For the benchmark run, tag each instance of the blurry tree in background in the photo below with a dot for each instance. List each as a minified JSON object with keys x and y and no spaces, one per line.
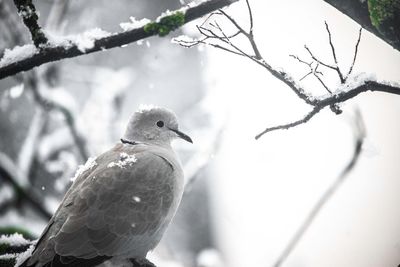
{"x":55,"y":116}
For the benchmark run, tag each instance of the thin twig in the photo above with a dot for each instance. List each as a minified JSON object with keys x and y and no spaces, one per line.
{"x":306,"y":118}
{"x":355,"y":54}
{"x":250,"y":17}
{"x":342,"y":80}
{"x":313,"y":71}
{"x":319,"y":61}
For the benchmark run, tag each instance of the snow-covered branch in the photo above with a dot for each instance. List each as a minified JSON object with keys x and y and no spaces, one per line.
{"x":350,"y":85}
{"x":27,"y":57}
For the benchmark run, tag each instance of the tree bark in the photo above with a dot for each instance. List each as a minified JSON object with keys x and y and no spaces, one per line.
{"x":381,"y":18}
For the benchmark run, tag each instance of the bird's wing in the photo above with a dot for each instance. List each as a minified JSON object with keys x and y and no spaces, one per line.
{"x":120,"y":205}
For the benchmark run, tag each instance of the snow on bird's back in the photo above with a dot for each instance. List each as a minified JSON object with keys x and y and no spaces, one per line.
{"x":124,"y":160}
{"x":90,"y":163}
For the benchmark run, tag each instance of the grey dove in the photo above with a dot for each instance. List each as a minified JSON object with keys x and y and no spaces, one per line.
{"x":120,"y":203}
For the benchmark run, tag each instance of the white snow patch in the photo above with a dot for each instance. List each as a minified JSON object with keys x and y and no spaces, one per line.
{"x":136,"y":198}
{"x":134,"y":24}
{"x":83,"y":41}
{"x":183,"y":39}
{"x":209,"y":258}
{"x":16,"y":91}
{"x":90,"y":163}
{"x":357,"y":79}
{"x":125,"y":160}
{"x":14,"y":240}
{"x":390,"y":83}
{"x":17,"y":53}
{"x":86,"y":40}
{"x":55,"y":40}
{"x":24,"y":255}
{"x":145,"y":108}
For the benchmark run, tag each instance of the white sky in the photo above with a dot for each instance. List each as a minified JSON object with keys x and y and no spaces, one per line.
{"x":263,"y":189}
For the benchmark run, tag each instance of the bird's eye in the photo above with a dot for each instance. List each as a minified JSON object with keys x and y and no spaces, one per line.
{"x":160,"y":124}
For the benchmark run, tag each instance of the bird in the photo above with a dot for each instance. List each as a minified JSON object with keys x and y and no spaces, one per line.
{"x":120,"y":204}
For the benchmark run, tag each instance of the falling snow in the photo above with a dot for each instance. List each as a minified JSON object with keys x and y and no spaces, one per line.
{"x":136,"y":198}
{"x":16,"y":91}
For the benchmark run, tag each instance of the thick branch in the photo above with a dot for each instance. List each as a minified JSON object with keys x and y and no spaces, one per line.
{"x":27,"y":10}
{"x":54,"y":53}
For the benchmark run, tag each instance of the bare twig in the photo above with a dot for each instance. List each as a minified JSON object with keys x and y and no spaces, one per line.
{"x":355,"y":54}
{"x":342,"y":79}
{"x":53,"y":53}
{"x":360,"y":135}
{"x":313,"y":71}
{"x":306,"y":118}
{"x":27,"y":10}
{"x":319,"y":61}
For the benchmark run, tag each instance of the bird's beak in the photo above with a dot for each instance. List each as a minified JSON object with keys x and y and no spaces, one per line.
{"x":182,"y":135}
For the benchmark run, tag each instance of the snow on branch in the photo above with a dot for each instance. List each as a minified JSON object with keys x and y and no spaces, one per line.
{"x":53,"y":50}
{"x":350,"y":85}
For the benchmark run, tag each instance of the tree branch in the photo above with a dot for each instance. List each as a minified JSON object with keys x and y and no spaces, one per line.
{"x":355,"y":53}
{"x":306,"y":118}
{"x":26,"y":10}
{"x":47,"y":104}
{"x":327,"y":195}
{"x":10,"y":173}
{"x":49,"y":53}
{"x":333,"y":100}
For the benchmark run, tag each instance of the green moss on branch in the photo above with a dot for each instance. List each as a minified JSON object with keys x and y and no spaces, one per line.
{"x":166,"y":24}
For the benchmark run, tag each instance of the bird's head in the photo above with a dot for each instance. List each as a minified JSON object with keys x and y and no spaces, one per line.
{"x":154,"y":125}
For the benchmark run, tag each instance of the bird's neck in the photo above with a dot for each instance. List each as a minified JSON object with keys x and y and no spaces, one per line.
{"x":135,"y":140}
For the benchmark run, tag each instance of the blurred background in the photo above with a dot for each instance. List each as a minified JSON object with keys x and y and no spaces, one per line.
{"x":244,"y":198}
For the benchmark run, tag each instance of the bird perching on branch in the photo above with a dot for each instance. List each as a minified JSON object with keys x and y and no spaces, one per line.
{"x":120,"y":203}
